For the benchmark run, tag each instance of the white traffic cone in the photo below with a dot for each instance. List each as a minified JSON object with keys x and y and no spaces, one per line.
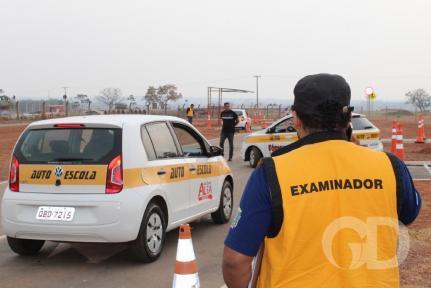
{"x":186,"y":269}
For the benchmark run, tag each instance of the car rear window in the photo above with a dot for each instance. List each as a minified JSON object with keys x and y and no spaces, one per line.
{"x":77,"y":145}
{"x":361,"y":123}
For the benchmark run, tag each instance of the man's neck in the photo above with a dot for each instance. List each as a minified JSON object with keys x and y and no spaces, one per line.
{"x":305,"y":133}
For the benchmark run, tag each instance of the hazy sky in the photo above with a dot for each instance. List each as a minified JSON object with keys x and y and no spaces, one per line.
{"x":130,"y":44}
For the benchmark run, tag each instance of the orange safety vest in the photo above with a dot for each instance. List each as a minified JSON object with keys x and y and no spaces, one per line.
{"x":335,"y":219}
{"x":189,"y":112}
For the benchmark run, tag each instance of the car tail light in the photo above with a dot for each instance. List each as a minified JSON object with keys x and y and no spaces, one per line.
{"x":14,"y":175}
{"x":114,"y":179}
{"x":69,"y":125}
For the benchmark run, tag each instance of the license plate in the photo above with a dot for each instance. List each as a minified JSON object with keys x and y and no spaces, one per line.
{"x":55,"y":213}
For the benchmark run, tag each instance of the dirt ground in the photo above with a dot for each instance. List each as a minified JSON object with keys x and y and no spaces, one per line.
{"x":410,"y":124}
{"x":414,"y":151}
{"x":415,"y":270}
{"x":8,"y":136}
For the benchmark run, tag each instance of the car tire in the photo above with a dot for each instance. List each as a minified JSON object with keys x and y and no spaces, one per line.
{"x":255,"y":156}
{"x":224,"y":211}
{"x":25,"y":247}
{"x":151,"y":238}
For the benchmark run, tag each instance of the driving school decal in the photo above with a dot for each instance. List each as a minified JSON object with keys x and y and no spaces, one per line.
{"x":204,"y":170}
{"x":205,"y":191}
{"x":177,"y":172}
{"x":273,"y":148}
{"x":68,"y":174}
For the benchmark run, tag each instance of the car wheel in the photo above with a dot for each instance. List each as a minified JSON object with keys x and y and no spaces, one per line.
{"x":255,"y":156}
{"x":25,"y":247}
{"x":224,"y":212}
{"x":151,"y":238}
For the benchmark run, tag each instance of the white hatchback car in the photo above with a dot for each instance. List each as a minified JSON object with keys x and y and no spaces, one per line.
{"x":112,"y":178}
{"x":243,"y":119}
{"x":281,"y":133}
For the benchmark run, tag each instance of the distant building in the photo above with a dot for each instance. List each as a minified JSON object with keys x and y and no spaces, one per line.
{"x":55,"y":109}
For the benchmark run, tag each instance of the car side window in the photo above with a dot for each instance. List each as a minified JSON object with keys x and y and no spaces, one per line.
{"x":148,"y":144}
{"x":190,"y":143}
{"x":163,"y":142}
{"x":285,"y":127}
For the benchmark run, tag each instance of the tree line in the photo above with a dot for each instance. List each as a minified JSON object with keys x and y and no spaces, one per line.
{"x":161,"y":95}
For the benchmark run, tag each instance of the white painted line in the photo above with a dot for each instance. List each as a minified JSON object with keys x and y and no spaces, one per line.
{"x":425,"y":179}
{"x":3,"y":182}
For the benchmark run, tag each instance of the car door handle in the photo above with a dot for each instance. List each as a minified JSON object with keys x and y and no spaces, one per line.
{"x":192,"y":169}
{"x":161,"y":172}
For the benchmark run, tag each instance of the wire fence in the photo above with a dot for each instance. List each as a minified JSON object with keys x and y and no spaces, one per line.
{"x":30,"y":110}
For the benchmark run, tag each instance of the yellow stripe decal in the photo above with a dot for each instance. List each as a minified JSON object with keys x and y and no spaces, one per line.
{"x":366,"y":136}
{"x":96,"y":174}
{"x":136,"y":177}
{"x":41,"y":174}
{"x":271,"y":138}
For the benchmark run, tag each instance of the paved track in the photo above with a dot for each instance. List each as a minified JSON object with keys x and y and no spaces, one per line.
{"x":108,"y":265}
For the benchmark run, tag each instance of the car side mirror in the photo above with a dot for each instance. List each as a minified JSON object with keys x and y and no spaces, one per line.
{"x":270,"y":130}
{"x":291,"y":129}
{"x":215,"y":151}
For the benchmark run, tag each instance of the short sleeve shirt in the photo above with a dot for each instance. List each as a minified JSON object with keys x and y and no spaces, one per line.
{"x":228,"y":118}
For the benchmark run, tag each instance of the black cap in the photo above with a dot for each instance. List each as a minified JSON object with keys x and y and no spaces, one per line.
{"x":322,"y":94}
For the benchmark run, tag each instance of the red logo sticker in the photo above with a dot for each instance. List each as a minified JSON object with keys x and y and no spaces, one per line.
{"x":205,"y":191}
{"x":273,"y":148}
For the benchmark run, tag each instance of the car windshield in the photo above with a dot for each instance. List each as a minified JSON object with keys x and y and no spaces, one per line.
{"x":238,"y":112}
{"x":86,"y":145}
{"x":361,"y":123}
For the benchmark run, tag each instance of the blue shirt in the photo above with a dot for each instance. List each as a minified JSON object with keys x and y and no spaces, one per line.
{"x":252,"y":222}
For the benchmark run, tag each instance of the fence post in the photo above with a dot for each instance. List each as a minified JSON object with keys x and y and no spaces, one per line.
{"x":17,"y":110}
{"x":43,"y":110}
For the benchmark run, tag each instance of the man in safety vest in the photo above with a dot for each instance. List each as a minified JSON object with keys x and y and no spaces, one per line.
{"x":323,"y":210}
{"x":190,"y":113}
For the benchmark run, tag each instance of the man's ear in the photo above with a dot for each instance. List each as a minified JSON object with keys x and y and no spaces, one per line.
{"x":297,"y":123}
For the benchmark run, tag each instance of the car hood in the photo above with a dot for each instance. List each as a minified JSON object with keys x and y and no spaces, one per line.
{"x":257,"y":133}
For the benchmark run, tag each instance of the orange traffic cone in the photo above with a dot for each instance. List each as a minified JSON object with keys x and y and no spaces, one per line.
{"x":209,"y":121}
{"x":394,"y":136}
{"x":399,"y":149}
{"x":254,"y":117}
{"x":264,"y":122}
{"x":421,"y":130}
{"x":186,"y":269}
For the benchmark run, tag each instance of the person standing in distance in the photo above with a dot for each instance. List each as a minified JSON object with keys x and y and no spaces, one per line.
{"x":324,"y":209}
{"x":230,"y":119}
{"x":190,"y":113}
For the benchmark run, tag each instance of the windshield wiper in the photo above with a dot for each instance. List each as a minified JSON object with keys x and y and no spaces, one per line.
{"x":367,"y":127}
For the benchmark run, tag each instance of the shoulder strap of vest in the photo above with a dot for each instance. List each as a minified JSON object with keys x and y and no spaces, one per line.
{"x":398,"y":178}
{"x":275,"y":195}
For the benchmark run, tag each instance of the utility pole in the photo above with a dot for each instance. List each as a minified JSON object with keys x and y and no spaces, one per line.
{"x":65,"y":100}
{"x":257,"y":90}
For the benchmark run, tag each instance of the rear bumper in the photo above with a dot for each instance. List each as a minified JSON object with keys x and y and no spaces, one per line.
{"x":98,"y":217}
{"x":241,"y":125}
